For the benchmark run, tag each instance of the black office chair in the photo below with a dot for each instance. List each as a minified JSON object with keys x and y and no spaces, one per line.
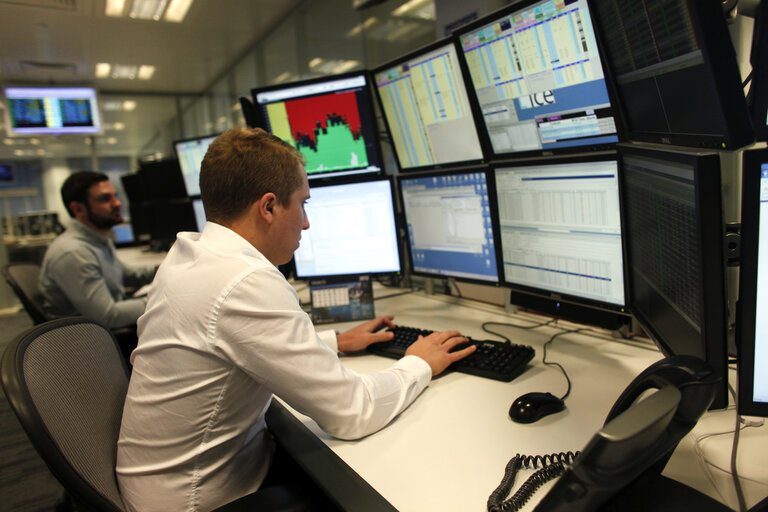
{"x":66,"y":382}
{"x":22,"y":278}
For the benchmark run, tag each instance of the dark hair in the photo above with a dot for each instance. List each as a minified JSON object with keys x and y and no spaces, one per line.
{"x":76,"y":187}
{"x":243,"y":164}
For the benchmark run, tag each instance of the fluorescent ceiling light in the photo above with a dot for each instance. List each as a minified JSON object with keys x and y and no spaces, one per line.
{"x":111,"y":140}
{"x":417,"y":8}
{"x":118,"y":126}
{"x":362,"y":26}
{"x":147,"y":9}
{"x":103,"y":69}
{"x":345,"y":66}
{"x":115,"y":7}
{"x":125,"y":72}
{"x":129,"y":105}
{"x":146,"y":72}
{"x":282,"y":77}
{"x":34,"y":141}
{"x":177,"y":10}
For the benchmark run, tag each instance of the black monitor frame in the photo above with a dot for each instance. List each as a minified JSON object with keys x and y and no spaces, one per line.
{"x":670,"y":328}
{"x":494,"y":223}
{"x":556,"y":303}
{"x":176,"y":144}
{"x":566,"y":149}
{"x":758,"y":91}
{"x":471,"y":105}
{"x":746,"y":317}
{"x":369,"y":124}
{"x":162,"y":179}
{"x":718,"y":71}
{"x":355,"y":179}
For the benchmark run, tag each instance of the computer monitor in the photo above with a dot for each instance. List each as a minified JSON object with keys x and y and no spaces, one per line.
{"x":758,"y":91}
{"x":426,"y":109}
{"x":561,"y":237}
{"x":674,"y":235}
{"x":675,"y":71}
{"x":200,"y":219}
{"x":448,"y":224}
{"x":190,"y":153}
{"x":330,"y":120}
{"x":535,"y":71}
{"x":352,"y":230}
{"x":162,"y":179}
{"x":752,"y":317}
{"x":170,"y":217}
{"x":52,"y":110}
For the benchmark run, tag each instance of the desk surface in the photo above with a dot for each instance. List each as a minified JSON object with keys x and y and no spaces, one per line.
{"x":448,"y":450}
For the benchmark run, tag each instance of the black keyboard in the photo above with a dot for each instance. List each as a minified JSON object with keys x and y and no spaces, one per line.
{"x":493,"y":359}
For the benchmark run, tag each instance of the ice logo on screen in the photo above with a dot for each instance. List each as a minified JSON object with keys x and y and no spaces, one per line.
{"x":537,"y":99}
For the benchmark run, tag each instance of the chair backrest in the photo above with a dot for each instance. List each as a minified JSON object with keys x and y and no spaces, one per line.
{"x":22,"y":278}
{"x":66,"y":381}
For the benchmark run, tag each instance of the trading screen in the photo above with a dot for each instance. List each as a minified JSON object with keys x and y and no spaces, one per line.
{"x":760,"y":390}
{"x":330,"y":123}
{"x":426,"y":107}
{"x":450,"y":232}
{"x":560,"y":229}
{"x":539,"y":80}
{"x":190,"y":154}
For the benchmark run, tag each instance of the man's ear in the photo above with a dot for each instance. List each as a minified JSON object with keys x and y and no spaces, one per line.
{"x":77,"y":208}
{"x":267,"y":205}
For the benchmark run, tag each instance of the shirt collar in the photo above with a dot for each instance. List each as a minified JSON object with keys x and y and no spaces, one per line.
{"x":89,"y":234}
{"x":231,"y":241}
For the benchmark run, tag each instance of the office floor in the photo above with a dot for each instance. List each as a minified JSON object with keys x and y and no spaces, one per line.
{"x":25,"y":482}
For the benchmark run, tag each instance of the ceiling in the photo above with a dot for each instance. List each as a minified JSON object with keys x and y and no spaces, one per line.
{"x":60,"y":42}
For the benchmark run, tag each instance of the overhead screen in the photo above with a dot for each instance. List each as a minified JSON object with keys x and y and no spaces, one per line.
{"x":674,"y":233}
{"x":675,"y":68}
{"x":560,"y":229}
{"x":537,"y":76}
{"x":449,"y":225}
{"x":426,"y":109}
{"x":329,"y":120}
{"x":190,"y":153}
{"x":752,"y":320}
{"x":52,"y":110}
{"x":352,"y":230}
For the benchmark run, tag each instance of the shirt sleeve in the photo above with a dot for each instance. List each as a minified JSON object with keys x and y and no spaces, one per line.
{"x":269,"y":337}
{"x":80,"y":278}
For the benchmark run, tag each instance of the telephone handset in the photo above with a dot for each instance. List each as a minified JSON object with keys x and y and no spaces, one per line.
{"x":636,"y":438}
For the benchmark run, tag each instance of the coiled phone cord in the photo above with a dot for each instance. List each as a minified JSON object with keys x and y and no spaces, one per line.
{"x":552,"y":466}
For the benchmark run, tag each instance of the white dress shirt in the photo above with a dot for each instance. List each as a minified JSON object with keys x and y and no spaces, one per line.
{"x":223,"y":331}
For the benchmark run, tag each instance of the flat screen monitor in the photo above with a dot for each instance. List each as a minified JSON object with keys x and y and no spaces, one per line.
{"x":190,"y":153}
{"x":161,"y":179}
{"x":52,"y":110}
{"x":352,"y":230}
{"x":449,"y":226}
{"x":674,"y":240}
{"x":170,"y":217}
{"x":561,"y":237}
{"x":426,"y":109}
{"x":536,"y":73}
{"x":330,"y":120}
{"x":758,"y":92}
{"x":200,"y":218}
{"x":752,"y":317}
{"x":676,"y":72}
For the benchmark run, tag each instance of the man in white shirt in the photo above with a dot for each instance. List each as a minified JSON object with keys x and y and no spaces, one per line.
{"x":223,"y":331}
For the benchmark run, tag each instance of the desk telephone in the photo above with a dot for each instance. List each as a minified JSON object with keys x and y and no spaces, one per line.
{"x":631,"y":449}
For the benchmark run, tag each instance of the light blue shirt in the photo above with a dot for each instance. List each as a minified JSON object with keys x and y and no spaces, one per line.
{"x":81,"y":275}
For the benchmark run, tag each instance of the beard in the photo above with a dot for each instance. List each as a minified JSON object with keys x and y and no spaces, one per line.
{"x":103,"y":221}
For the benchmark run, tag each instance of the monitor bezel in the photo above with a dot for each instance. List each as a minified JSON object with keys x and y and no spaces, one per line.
{"x":368,"y":100}
{"x":707,"y":185}
{"x":354,"y":179}
{"x":758,"y":92}
{"x":472,"y":94}
{"x":176,"y":152}
{"x":96,"y":128}
{"x":722,"y":67}
{"x":494,"y":223}
{"x":561,"y":304}
{"x":746,"y":310}
{"x":484,"y":150}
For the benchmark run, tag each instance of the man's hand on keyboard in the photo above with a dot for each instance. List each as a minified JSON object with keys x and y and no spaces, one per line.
{"x":364,"y":334}
{"x":436,"y":348}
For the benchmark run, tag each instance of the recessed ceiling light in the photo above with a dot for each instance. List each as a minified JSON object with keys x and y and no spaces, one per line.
{"x":111,"y":140}
{"x":8,"y":142}
{"x":146,"y":72}
{"x":103,"y":69}
{"x":34,"y":141}
{"x":362,"y":26}
{"x":147,"y":9}
{"x":118,"y":126}
{"x":115,"y":7}
{"x":129,"y":105}
{"x":177,"y":10}
{"x":119,"y":71}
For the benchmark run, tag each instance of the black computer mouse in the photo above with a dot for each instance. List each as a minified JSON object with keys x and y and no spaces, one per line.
{"x":532,"y":407}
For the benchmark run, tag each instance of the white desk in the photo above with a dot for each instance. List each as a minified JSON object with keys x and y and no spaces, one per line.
{"x":448,"y":450}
